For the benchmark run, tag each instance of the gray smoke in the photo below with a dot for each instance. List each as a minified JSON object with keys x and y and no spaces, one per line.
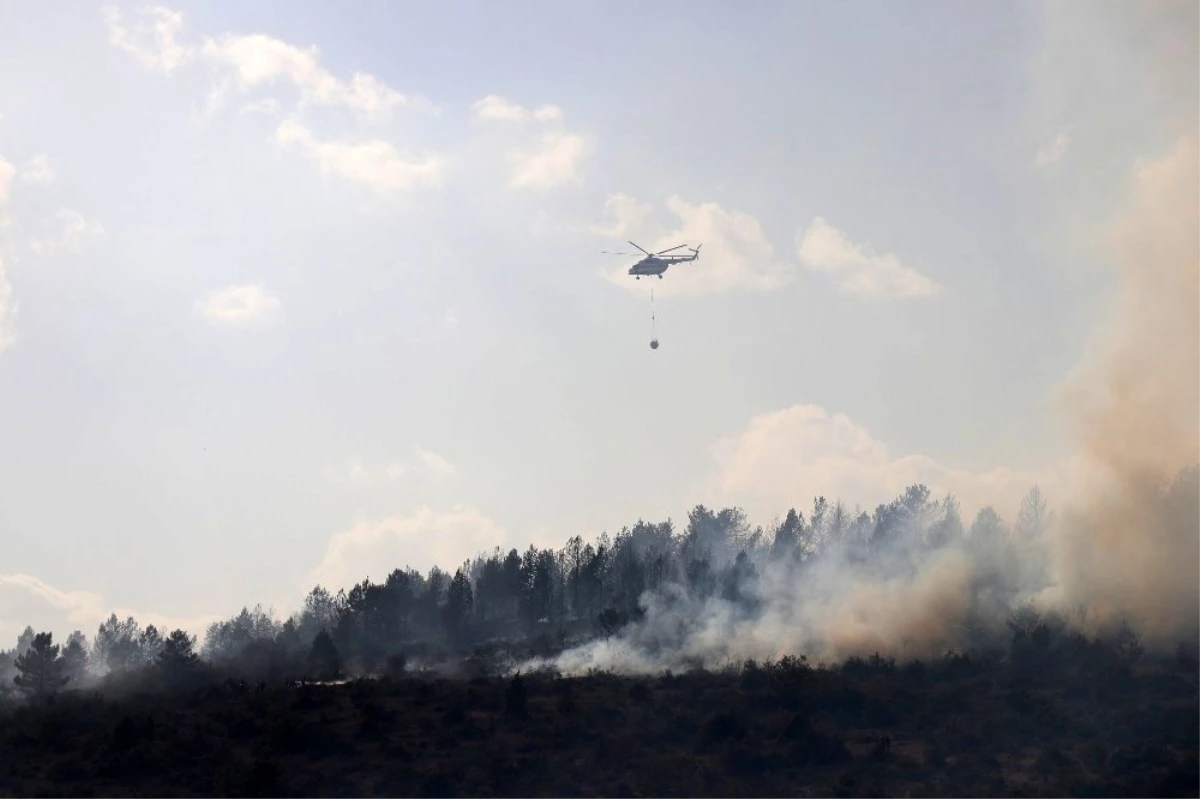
{"x":910,"y":581}
{"x":1131,"y":544}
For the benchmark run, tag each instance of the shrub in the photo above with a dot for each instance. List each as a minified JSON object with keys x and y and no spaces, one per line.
{"x":515,"y":698}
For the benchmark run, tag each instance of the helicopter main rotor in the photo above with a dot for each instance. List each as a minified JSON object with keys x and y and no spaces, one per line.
{"x":644,"y":251}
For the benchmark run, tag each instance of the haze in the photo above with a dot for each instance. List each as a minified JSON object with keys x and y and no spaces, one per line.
{"x":291,"y":294}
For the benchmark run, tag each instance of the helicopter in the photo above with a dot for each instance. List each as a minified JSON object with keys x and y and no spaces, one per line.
{"x":659,"y":262}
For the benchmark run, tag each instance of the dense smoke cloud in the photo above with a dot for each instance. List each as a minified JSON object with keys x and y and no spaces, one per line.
{"x":909,"y":580}
{"x":1131,"y":545}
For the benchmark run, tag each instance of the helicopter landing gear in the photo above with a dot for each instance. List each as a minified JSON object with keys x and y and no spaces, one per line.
{"x":660,"y":276}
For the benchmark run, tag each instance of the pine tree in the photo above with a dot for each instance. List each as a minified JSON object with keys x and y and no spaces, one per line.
{"x":324,"y":657}
{"x":178,"y":652}
{"x":75,"y":657}
{"x":460,"y":601}
{"x":25,"y":640}
{"x":41,"y":667}
{"x":787,"y":536}
{"x":150,"y":643}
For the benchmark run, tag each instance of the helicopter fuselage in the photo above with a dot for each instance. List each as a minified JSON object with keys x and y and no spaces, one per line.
{"x":658,"y":265}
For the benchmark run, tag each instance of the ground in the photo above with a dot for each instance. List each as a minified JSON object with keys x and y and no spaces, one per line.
{"x":959,"y":727}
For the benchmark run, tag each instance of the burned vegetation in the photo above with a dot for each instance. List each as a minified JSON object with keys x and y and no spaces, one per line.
{"x":1075,"y":718}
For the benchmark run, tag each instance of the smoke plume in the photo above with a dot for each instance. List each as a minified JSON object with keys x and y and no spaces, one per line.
{"x":1131,"y":544}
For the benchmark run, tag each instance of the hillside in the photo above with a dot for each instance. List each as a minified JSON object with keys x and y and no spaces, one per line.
{"x":1081,"y":721}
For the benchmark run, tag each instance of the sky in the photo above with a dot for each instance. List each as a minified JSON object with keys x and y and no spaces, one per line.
{"x":295,"y":293}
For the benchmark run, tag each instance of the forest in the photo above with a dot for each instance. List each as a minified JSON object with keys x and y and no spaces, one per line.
{"x":543,"y":600}
{"x":716,"y":659}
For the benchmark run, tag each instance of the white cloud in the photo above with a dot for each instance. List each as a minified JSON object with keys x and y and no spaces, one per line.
{"x":1053,"y":152}
{"x":785,"y":458}
{"x":257,"y":59}
{"x":552,"y":163}
{"x":630,"y":217}
{"x":495,"y":107}
{"x":75,"y":230}
{"x":545,"y":160}
{"x":548,"y":161}
{"x":427,"y":538}
{"x":18,"y":592}
{"x":25,"y":599}
{"x":357,"y":472}
{"x":150,"y":38}
{"x":857,"y":268}
{"x":8,"y":312}
{"x":38,"y":171}
{"x":268,"y":105}
{"x":7,"y":172}
{"x":373,"y":163}
{"x":548,"y":113}
{"x":435,"y":463}
{"x":736,"y":253}
{"x":8,"y":304}
{"x":251,"y":61}
{"x":239,"y":304}
{"x":241,"y":63}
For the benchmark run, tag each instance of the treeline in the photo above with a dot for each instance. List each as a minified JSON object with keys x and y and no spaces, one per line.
{"x":542,"y":600}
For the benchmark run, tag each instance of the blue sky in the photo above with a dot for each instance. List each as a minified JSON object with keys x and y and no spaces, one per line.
{"x":264,"y":322}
